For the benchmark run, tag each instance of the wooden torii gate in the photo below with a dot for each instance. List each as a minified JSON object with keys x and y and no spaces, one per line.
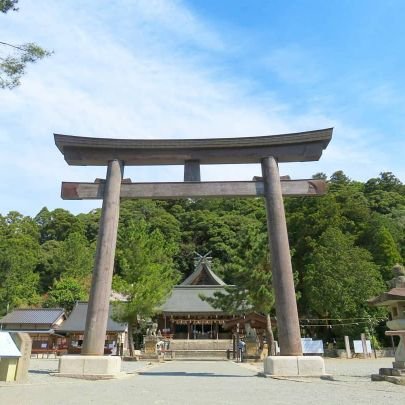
{"x":266,"y":150}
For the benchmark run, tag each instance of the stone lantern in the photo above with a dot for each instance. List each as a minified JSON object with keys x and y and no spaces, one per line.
{"x":395,"y":300}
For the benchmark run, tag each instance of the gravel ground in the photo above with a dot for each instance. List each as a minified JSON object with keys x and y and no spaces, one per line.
{"x":205,"y":383}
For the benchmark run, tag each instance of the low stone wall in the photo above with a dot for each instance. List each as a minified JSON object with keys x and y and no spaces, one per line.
{"x":385,"y":353}
{"x":341,"y":353}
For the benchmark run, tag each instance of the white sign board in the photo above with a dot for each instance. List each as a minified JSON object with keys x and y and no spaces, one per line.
{"x":358,"y":347}
{"x":310,"y":346}
{"x":7,"y":346}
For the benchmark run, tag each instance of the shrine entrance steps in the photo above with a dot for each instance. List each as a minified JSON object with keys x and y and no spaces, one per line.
{"x":198,"y":349}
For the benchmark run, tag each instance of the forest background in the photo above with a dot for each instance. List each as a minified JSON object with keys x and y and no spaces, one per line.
{"x":343,"y":247}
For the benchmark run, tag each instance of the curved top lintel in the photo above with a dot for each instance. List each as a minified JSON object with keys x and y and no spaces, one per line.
{"x":293,"y":147}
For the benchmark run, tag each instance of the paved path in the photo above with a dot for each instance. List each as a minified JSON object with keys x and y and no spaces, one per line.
{"x":205,"y":383}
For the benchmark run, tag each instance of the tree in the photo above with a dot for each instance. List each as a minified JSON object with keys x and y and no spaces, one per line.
{"x":147,"y":274}
{"x":12,"y":66}
{"x":47,"y":267}
{"x":338,"y":180}
{"x":341,"y":278}
{"x":90,"y":224}
{"x":6,"y":5}
{"x":384,"y":250}
{"x":251,"y":288}
{"x":387,"y":182}
{"x":19,"y":256}
{"x":58,"y":224}
{"x":72,"y":258}
{"x":217,"y":225}
{"x":15,"y":223}
{"x":385,"y":193}
{"x":65,"y":293}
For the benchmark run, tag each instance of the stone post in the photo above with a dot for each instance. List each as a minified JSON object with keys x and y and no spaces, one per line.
{"x":289,"y":335}
{"x":347,"y":347}
{"x":24,"y":343}
{"x":364,"y":345}
{"x":99,"y":301}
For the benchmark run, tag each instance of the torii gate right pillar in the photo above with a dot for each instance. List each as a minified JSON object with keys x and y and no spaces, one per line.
{"x":283,"y":282}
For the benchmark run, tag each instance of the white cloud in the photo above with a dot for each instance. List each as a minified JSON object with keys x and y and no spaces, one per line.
{"x":130,"y":77}
{"x":176,"y":19}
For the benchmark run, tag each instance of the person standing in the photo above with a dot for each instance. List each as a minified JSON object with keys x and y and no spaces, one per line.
{"x":241,"y":349}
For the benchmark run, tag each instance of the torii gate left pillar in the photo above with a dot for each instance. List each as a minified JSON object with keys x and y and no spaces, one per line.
{"x":98,"y":308}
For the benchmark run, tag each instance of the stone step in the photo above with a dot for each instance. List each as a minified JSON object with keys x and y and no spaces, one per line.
{"x":196,"y":355}
{"x":200,"y":344}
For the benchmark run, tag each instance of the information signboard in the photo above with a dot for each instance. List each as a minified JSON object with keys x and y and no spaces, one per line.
{"x":358,"y":347}
{"x":310,"y":346}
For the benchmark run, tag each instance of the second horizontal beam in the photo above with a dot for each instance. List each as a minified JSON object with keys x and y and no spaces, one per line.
{"x":94,"y":191}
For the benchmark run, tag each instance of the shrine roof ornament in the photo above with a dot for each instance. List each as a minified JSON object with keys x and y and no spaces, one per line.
{"x":293,"y":147}
{"x":203,"y":273}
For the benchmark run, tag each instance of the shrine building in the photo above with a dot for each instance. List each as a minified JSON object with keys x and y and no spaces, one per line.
{"x":185,"y":315}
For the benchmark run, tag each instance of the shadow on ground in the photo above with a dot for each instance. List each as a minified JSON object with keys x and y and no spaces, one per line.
{"x":40,"y":371}
{"x":185,"y":374}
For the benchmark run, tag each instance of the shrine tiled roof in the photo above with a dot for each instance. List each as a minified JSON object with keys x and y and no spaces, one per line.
{"x":203,"y":273}
{"x":39,"y":316}
{"x":187,"y":300}
{"x":76,"y":321}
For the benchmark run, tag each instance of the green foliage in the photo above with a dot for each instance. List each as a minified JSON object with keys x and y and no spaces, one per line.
{"x":47,"y":266}
{"x":387,"y":182}
{"x":385,"y":251}
{"x":15,"y":223}
{"x":88,"y":224}
{"x":73,"y":258}
{"x":147,"y":273}
{"x":13,"y":65}
{"x":219,"y":226}
{"x":348,"y":207}
{"x":58,"y":224}
{"x":7,"y":5}
{"x":65,"y":293}
{"x":385,"y":193}
{"x":249,"y":275}
{"x":341,"y":278}
{"x":19,"y":256}
{"x":154,"y":213}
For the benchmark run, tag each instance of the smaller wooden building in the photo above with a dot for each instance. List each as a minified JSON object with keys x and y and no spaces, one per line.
{"x":74,"y":326}
{"x":42,"y":324}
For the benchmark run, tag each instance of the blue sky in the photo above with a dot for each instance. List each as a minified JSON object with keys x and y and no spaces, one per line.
{"x":199,"y":69}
